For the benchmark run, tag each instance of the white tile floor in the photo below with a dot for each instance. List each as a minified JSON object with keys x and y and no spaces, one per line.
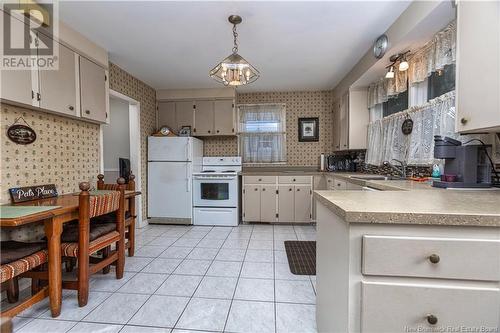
{"x":194,"y":279}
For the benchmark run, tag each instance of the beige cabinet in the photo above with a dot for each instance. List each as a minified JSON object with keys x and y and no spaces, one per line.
{"x":302,"y":203}
{"x":184,"y":114}
{"x":350,"y":121}
{"x":166,"y":115}
{"x":268,"y":203}
{"x":204,"y":118}
{"x":224,"y":117}
{"x":251,"y":203}
{"x":286,"y":202}
{"x":93,"y":91}
{"x":59,"y":88}
{"x":478,"y":42}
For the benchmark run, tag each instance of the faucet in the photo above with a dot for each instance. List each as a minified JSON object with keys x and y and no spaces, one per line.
{"x":401,"y":169}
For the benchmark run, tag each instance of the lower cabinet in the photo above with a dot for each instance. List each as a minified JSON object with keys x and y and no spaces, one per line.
{"x":275,"y":201}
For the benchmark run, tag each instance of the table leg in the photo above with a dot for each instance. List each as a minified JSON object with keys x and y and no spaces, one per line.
{"x":53,"y":231}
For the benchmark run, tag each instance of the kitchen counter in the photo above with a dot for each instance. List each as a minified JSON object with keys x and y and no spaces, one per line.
{"x":282,"y":170}
{"x":422,"y":204}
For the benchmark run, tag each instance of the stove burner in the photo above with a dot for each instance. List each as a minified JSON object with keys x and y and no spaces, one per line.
{"x":208,"y":171}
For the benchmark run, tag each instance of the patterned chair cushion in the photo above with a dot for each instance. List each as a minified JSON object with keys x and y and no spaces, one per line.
{"x":104,"y":203}
{"x":71,"y":249}
{"x":13,"y":269}
{"x":70,"y":233}
{"x":109,"y":218}
{"x":12,"y":250}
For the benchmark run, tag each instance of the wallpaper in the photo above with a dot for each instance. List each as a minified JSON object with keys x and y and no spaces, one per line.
{"x":298,"y":104}
{"x":123,"y":82}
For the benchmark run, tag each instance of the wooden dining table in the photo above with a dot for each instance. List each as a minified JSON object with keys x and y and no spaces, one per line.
{"x":64,"y":208}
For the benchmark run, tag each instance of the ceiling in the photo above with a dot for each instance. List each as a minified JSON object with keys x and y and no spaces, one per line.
{"x":173,"y":45}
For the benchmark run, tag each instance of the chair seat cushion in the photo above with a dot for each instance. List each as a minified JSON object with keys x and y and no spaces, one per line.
{"x":12,"y":250}
{"x":108,"y":218}
{"x":70,"y":232}
{"x":71,"y":249}
{"x":14,"y":268}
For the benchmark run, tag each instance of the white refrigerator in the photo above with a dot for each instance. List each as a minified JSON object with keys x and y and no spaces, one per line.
{"x":171,"y":163}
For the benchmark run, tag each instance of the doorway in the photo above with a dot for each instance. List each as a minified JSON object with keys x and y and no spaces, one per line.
{"x":120,"y":138}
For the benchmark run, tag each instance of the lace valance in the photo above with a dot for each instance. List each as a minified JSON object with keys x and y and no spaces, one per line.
{"x":433,"y":56}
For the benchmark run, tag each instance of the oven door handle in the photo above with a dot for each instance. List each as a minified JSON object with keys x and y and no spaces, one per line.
{"x":214,"y":178}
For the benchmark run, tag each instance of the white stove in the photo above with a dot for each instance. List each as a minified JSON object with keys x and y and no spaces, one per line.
{"x":216,"y":192}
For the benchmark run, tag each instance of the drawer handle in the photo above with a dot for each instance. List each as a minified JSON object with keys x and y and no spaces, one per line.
{"x":434,"y":258}
{"x":87,"y":111}
{"x":294,"y":179}
{"x":263,"y":189}
{"x":432,"y":319}
{"x":260,"y":179}
{"x":289,"y":189}
{"x":71,"y":107}
{"x":255,"y":189}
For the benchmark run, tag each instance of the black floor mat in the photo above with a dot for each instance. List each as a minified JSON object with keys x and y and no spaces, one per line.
{"x":301,"y":257}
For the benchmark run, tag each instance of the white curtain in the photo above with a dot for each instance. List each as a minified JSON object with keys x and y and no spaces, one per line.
{"x":262,"y":133}
{"x":386,"y":140}
{"x":376,"y":112}
{"x":418,"y":93}
{"x":433,"y":56}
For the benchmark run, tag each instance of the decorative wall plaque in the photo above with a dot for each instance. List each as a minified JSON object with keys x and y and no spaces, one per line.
{"x":407,"y":126}
{"x":29,"y":193}
{"x":21,"y":134}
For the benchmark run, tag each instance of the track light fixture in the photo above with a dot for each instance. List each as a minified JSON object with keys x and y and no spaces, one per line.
{"x":390,"y":72}
{"x":394,"y":59}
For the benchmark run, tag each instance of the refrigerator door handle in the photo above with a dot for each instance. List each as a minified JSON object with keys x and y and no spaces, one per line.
{"x":188,"y":150}
{"x":188,"y":183}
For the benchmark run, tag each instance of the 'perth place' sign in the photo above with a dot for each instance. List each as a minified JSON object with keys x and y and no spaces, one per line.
{"x":28,"y":193}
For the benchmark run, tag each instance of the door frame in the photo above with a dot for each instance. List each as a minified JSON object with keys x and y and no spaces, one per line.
{"x":134,"y":109}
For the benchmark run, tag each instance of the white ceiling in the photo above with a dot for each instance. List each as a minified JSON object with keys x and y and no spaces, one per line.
{"x":295,"y":45}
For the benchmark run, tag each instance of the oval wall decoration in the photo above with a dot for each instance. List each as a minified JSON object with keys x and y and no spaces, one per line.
{"x":407,"y":126}
{"x":21,"y":134}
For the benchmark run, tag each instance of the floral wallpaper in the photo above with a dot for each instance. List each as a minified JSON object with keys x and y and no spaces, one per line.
{"x":298,"y":104}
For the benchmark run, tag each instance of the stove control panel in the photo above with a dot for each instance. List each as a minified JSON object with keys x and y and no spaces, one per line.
{"x":222,"y":160}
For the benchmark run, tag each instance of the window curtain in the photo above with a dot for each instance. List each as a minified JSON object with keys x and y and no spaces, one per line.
{"x":262,"y":133}
{"x":433,"y":56}
{"x":386,"y":140}
{"x":418,"y":93}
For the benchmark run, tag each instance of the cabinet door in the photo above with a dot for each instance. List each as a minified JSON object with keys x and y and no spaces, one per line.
{"x":58,"y":88}
{"x":93,"y":91}
{"x":16,"y":84}
{"x":286,"y":203}
{"x":344,"y":122}
{"x":224,"y":117}
{"x":184,"y":114}
{"x":204,"y":118}
{"x":251,"y":203}
{"x":336,"y":126}
{"x":302,"y":204}
{"x":268,"y":203}
{"x":166,"y":115}
{"x":478,"y":42}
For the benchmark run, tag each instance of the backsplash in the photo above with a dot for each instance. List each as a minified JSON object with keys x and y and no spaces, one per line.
{"x":298,"y":104}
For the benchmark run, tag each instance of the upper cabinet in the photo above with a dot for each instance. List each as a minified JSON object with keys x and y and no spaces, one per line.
{"x":93,"y":86}
{"x":478,"y":46}
{"x":77,"y":87}
{"x":350,"y":121}
{"x":206,"y":117}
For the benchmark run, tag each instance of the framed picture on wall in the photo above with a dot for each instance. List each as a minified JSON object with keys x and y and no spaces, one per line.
{"x":308,"y":129}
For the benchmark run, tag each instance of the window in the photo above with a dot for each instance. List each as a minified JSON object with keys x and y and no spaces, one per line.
{"x":396,"y":103}
{"x":441,"y":82}
{"x":262,"y":133}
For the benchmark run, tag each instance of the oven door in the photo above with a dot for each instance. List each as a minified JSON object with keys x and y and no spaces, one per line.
{"x":215,"y":192}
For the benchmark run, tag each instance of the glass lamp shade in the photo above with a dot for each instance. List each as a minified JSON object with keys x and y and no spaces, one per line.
{"x":403,"y":65}
{"x":234,"y":71}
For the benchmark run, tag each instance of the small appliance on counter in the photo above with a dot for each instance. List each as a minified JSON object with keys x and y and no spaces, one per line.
{"x":216,"y":192}
{"x":466,"y":166}
{"x":339,"y":163}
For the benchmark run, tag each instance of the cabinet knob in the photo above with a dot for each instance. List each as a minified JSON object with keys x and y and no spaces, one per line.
{"x":87,"y":111}
{"x":218,"y":131}
{"x":432,"y":319}
{"x":464,"y":121}
{"x":298,"y":190}
{"x":71,"y":107}
{"x":255,"y":189}
{"x":289,"y":189}
{"x":434,"y":258}
{"x":260,"y":179}
{"x":208,"y":131}
{"x":294,"y":179}
{"x":263,"y":189}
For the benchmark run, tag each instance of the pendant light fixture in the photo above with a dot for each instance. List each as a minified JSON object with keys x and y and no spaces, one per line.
{"x":234,"y":70}
{"x":390,"y":72}
{"x":403,"y":64}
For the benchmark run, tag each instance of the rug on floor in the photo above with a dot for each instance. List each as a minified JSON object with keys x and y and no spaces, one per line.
{"x":301,"y":257}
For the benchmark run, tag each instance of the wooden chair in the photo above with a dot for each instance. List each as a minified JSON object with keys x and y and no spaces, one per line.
{"x":130,"y":213}
{"x":87,"y":237}
{"x":19,"y":258}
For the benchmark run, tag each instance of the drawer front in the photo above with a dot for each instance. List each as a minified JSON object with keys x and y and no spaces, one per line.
{"x":415,"y":308}
{"x":259,"y":179}
{"x":448,"y":258}
{"x":294,"y":179}
{"x":340,"y":184}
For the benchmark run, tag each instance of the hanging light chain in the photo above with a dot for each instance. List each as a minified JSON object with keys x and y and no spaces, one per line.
{"x":235,"y":35}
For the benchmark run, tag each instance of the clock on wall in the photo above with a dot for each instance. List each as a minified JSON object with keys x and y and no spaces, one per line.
{"x":380,"y":46}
